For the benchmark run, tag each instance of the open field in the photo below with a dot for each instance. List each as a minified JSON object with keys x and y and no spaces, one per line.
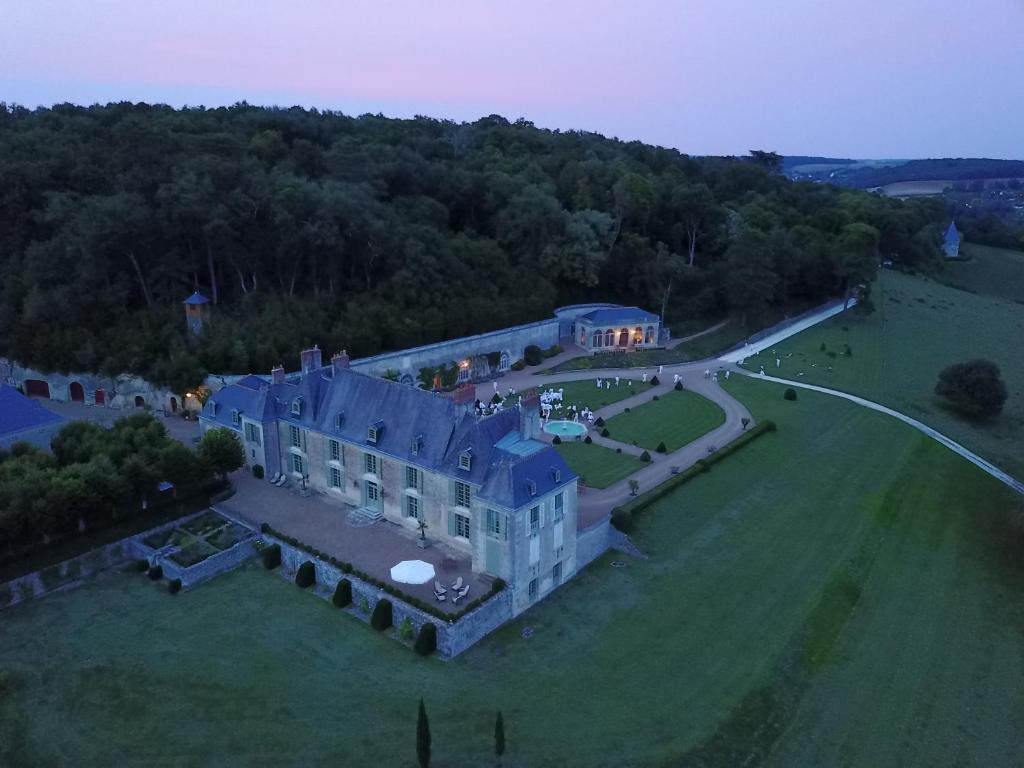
{"x":835,"y":594}
{"x":677,"y":418}
{"x":919,"y":328}
{"x":990,"y":271}
{"x":597,"y":465}
{"x":916,"y":188}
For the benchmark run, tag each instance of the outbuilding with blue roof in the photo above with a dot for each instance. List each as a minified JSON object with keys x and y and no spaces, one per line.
{"x":25,"y":419}
{"x":618,"y":329}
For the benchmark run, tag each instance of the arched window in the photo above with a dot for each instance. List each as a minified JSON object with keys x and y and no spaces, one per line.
{"x":597,"y":338}
{"x":624,"y":337}
{"x":650,"y":334}
{"x":463,"y":374}
{"x":504,"y":363}
{"x":638,"y":335}
{"x":609,"y":338}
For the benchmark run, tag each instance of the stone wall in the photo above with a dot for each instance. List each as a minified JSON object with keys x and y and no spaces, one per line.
{"x":64,"y":574}
{"x":452,"y":638}
{"x":512,"y":341}
{"x":214,"y":565}
{"x":593,"y":542}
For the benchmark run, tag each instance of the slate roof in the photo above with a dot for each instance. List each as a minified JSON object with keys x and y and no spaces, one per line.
{"x":952,"y":236}
{"x":196,"y":298}
{"x":619,"y":315}
{"x":19,"y":413}
{"x":501,"y":464}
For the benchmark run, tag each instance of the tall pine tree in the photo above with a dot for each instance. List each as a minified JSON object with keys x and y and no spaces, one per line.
{"x":499,"y":735}
{"x":423,"y":737}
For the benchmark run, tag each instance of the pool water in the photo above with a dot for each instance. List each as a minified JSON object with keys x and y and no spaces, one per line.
{"x":565,"y":428}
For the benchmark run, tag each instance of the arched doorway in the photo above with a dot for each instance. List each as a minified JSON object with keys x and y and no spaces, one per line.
{"x":174,"y":404}
{"x":101,"y":397}
{"x":37,"y":388}
{"x":140,"y":401}
{"x":624,"y":337}
{"x":76,"y":392}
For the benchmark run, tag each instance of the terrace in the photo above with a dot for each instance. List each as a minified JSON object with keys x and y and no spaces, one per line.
{"x":373,"y":548}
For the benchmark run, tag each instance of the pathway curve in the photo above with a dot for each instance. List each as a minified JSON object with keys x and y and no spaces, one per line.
{"x":954,"y":446}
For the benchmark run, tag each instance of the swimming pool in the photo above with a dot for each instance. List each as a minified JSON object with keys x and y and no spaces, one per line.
{"x":565,"y":428}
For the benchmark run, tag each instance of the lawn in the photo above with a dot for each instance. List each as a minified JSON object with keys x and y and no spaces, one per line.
{"x":597,"y":465}
{"x":919,"y":327}
{"x":990,"y":271}
{"x":836,"y":593}
{"x":585,"y":394}
{"x":676,"y":418}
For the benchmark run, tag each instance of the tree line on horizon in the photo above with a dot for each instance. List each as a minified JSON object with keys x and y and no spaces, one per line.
{"x":370,"y":234}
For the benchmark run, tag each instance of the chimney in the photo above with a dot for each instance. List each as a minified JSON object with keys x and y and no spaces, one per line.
{"x":340,"y":360}
{"x":464,"y":398}
{"x":529,"y":416}
{"x":311,"y":360}
{"x":277,"y":375}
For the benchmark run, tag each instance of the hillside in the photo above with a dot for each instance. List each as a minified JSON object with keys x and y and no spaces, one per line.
{"x":370,"y":234}
{"x":867,"y":174}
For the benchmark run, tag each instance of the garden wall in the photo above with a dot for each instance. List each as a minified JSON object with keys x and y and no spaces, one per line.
{"x":60,"y":575}
{"x":592,"y":542}
{"x":452,"y":638}
{"x":214,"y":565}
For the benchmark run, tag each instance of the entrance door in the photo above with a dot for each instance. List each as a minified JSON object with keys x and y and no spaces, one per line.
{"x":624,"y":337}
{"x":174,"y":405}
{"x":37,"y":388}
{"x":372,"y":496}
{"x":77,"y":392}
{"x":493,"y":557}
{"x":140,"y":401}
{"x":101,"y":397}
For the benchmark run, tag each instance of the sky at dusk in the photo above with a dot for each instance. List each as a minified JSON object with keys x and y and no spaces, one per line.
{"x":870,"y":78}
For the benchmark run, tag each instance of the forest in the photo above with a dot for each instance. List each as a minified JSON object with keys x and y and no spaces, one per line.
{"x":370,"y":233}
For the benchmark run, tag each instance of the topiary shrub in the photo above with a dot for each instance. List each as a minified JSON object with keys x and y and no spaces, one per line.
{"x":678,"y":387}
{"x":381,"y":617}
{"x":599,"y":422}
{"x":645,"y":456}
{"x":654,"y":381}
{"x":156,"y":573}
{"x":426,"y":640}
{"x":618,"y":450}
{"x":346,"y":567}
{"x":174,"y":586}
{"x":622,"y":519}
{"x":789,"y":394}
{"x":518,"y":365}
{"x":556,"y":440}
{"x":498,"y":584}
{"x":342,"y":593}
{"x":272,"y":557}
{"x":141,"y":565}
{"x":604,"y":432}
{"x":661,"y":447}
{"x":655,"y":397}
{"x":257,"y":471}
{"x":588,"y":440}
{"x":533,"y":355}
{"x":306,"y":575}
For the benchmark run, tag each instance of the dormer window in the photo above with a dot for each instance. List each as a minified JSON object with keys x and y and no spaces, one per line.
{"x":236,"y":417}
{"x":556,"y":474}
{"x":211,"y":407}
{"x":373,"y":431}
{"x":297,"y":406}
{"x":466,"y":459}
{"x":531,"y":487}
{"x":339,"y":419}
{"x":417,"y":444}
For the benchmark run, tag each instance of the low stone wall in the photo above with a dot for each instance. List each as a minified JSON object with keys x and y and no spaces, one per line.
{"x":592,"y":542}
{"x":214,"y":565}
{"x":69,"y":572}
{"x":452,"y":637}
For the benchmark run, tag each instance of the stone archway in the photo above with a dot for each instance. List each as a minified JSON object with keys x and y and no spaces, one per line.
{"x":174,"y":404}
{"x":76,"y":392}
{"x":140,"y":401}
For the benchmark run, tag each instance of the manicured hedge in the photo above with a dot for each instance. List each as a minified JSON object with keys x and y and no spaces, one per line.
{"x":645,"y":456}
{"x":141,"y":565}
{"x":622,"y":519}
{"x":701,"y":465}
{"x":655,"y":381}
{"x":257,"y":471}
{"x":426,"y":640}
{"x":306,"y":575}
{"x":661,"y":447}
{"x":679,"y":386}
{"x":156,"y":572}
{"x":496,"y":586}
{"x":382,"y":614}
{"x":342,"y":593}
{"x":532,"y":355}
{"x":174,"y":586}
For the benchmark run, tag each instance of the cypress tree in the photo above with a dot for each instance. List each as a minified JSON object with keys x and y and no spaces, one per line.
{"x":499,"y":735}
{"x":423,"y":737}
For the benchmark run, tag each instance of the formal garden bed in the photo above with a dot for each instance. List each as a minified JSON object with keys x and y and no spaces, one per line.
{"x":597,"y":466}
{"x":668,"y":423}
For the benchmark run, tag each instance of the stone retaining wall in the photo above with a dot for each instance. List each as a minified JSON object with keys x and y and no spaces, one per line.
{"x":214,"y":565}
{"x":592,"y":542}
{"x":452,"y":638}
{"x":65,"y":574}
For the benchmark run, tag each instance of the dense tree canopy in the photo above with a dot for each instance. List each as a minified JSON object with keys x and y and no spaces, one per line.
{"x":974,"y":388}
{"x":370,"y":233}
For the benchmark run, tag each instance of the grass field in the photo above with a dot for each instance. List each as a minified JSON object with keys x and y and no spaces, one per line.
{"x":919,"y":328}
{"x":990,"y":271}
{"x":837,"y":593}
{"x":677,"y":418}
{"x":597,"y":465}
{"x":916,"y":188}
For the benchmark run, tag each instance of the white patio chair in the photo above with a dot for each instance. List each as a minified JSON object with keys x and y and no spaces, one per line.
{"x":458,"y":584}
{"x":440,"y":598}
{"x":438,"y":588}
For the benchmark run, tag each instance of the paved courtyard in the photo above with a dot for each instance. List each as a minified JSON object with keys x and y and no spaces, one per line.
{"x":177,"y":427}
{"x":372,"y":548}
